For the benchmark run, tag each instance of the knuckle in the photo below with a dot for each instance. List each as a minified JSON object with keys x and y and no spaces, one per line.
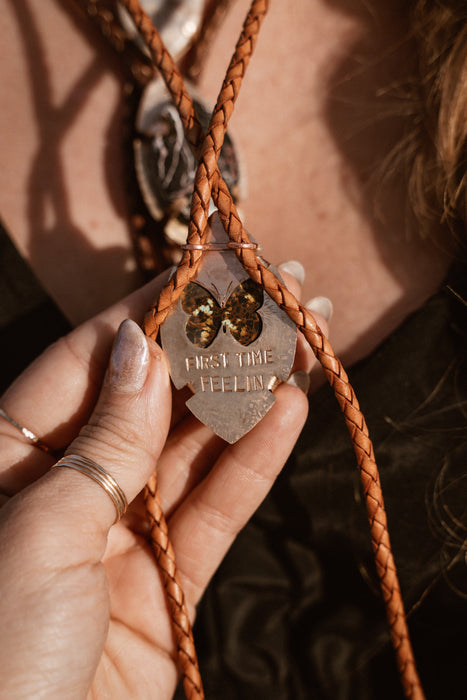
{"x":220,"y":521}
{"x":110,"y":433}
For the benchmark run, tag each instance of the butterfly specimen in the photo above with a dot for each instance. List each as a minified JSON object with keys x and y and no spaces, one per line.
{"x":238,"y":314}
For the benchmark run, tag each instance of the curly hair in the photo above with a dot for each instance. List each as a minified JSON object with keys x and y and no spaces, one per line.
{"x":437,"y":175}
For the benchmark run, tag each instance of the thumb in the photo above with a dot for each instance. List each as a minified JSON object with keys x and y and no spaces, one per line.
{"x":128,"y":427}
{"x":124,"y":435}
{"x":53,"y":534}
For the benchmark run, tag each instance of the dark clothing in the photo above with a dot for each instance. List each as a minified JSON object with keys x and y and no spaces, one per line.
{"x":294,"y":612}
{"x":29,"y":320}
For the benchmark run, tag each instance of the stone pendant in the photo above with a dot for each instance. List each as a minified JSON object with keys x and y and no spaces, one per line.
{"x":228,"y":341}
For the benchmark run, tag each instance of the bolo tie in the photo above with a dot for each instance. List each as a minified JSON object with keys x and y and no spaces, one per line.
{"x":225,"y":319}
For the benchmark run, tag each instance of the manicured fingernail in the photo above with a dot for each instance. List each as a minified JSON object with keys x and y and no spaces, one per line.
{"x":322,"y":305}
{"x":300,"y":379}
{"x":129,"y":361}
{"x":294,"y":268}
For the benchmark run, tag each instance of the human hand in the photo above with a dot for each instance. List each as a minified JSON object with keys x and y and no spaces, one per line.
{"x":83,"y":609}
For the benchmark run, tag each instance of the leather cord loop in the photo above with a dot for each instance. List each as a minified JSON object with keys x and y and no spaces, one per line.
{"x":209,"y":182}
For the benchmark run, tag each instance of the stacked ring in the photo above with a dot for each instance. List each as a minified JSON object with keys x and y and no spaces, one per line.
{"x":99,"y":475}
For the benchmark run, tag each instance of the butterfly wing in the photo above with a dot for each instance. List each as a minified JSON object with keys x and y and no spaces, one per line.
{"x":240,"y":312}
{"x":205,"y":315}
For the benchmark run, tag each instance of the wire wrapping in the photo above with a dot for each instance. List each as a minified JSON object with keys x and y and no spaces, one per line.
{"x":209,"y":183}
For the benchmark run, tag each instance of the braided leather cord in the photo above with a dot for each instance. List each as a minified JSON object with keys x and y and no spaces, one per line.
{"x":165,"y":557}
{"x":209,"y":181}
{"x":213,"y":16}
{"x":187,"y":270}
{"x":101,"y":12}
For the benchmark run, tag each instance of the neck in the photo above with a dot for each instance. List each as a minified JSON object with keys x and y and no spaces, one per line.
{"x":309,"y":125}
{"x":314,"y":134}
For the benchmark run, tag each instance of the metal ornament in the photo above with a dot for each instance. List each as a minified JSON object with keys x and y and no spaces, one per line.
{"x":228,"y":341}
{"x":178,"y":23}
{"x":165,"y":164}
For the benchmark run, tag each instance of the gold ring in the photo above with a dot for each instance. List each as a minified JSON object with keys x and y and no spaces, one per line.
{"x":99,"y":475}
{"x":28,"y":434}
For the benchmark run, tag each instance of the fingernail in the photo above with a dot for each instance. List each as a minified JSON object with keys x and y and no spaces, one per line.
{"x":300,"y":379}
{"x":129,"y":360}
{"x":294,"y":268}
{"x":322,"y":305}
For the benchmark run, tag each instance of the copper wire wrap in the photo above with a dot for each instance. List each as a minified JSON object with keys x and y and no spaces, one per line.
{"x":209,"y":183}
{"x":206,"y":247}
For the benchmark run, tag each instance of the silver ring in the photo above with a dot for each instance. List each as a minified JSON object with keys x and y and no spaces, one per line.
{"x":28,"y":434}
{"x":100,"y":476}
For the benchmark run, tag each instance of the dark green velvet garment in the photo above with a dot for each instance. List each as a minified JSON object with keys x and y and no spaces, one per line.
{"x":294,"y":612}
